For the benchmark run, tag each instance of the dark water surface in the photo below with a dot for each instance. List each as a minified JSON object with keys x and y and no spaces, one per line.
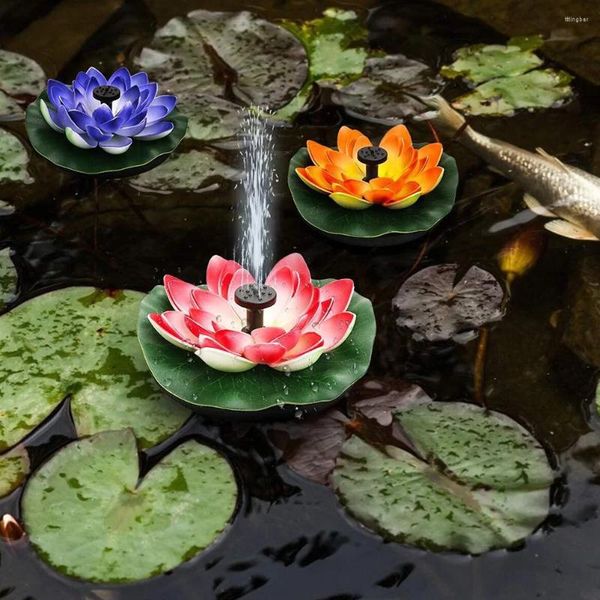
{"x":291,"y":540}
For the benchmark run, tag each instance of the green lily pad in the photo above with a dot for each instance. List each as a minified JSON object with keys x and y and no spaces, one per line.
{"x":481,"y":63}
{"x":200,"y":56}
{"x":485,"y":482}
{"x":141,"y":156}
{"x":502,"y":96}
{"x":386,"y":93}
{"x":193,"y":171}
{"x":14,"y":467}
{"x":336,"y":44}
{"x":88,"y":515}
{"x":261,"y":388}
{"x":14,"y":159}
{"x":19,"y":76}
{"x":8,"y":278}
{"x":375,"y":222}
{"x":80,"y":342}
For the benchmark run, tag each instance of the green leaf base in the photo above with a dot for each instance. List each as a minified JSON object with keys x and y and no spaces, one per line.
{"x":141,"y":156}
{"x":375,"y":226}
{"x":262,"y":392}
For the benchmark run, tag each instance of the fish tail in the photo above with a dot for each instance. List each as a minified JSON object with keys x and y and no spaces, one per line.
{"x":448,"y":120}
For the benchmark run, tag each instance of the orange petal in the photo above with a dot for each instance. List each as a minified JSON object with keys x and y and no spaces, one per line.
{"x":432,"y":152}
{"x":349,"y":201}
{"x":380,"y":196}
{"x":316,"y":178}
{"x":354,"y":187}
{"x":350,"y":168}
{"x":429,"y":179}
{"x":406,"y":196}
{"x":381,"y":183}
{"x":351,"y":140}
{"x":395,"y":140}
{"x":318,"y":153}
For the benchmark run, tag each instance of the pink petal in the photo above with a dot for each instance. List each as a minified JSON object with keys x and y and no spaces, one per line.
{"x":179,"y":293}
{"x":283,"y":282}
{"x":264,"y":353}
{"x":207,"y":341}
{"x":169,"y":334}
{"x":264,"y":335}
{"x":323,"y":312}
{"x":341,"y":292}
{"x":306,"y":343}
{"x":300,"y":362}
{"x":299,"y":304}
{"x":240,"y":277}
{"x":183,"y":326}
{"x":294,"y":262}
{"x":290,"y":339}
{"x":224,"y":361}
{"x":222,"y":312}
{"x":205,"y":319}
{"x":336,"y":329}
{"x":234,"y":341}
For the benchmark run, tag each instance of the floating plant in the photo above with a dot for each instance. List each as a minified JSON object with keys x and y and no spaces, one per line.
{"x":80,"y":342}
{"x":14,"y":467}
{"x":14,"y":160}
{"x":113,"y":127}
{"x":89,"y":515}
{"x":438,"y":475}
{"x":8,"y":278}
{"x":435,"y":307}
{"x":406,"y":190}
{"x":243,"y":347}
{"x":21,"y":79}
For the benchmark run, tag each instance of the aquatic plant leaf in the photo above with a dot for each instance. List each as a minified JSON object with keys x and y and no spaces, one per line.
{"x":8,"y":278}
{"x":485,"y":485}
{"x":14,"y":159}
{"x":480,"y":63}
{"x":386,"y":91}
{"x":261,"y":388}
{"x":141,"y":156}
{"x":503,"y":95}
{"x":521,"y":253}
{"x":193,"y":170}
{"x":89,"y":517}
{"x":207,"y":56}
{"x":582,"y":311}
{"x":336,"y":44}
{"x":311,"y":446}
{"x":80,"y":342}
{"x":325,"y":215}
{"x":436,"y":308}
{"x":14,"y":467}
{"x":19,"y":76}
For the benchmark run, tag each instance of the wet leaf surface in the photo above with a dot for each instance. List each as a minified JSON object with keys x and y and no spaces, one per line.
{"x":129,"y":529}
{"x":435,"y":307}
{"x":19,"y":77}
{"x":14,"y":467}
{"x":194,"y":171}
{"x":8,"y":278}
{"x":80,"y":342}
{"x":14,"y":159}
{"x":214,"y":60}
{"x":485,"y":483}
{"x":385,"y":93}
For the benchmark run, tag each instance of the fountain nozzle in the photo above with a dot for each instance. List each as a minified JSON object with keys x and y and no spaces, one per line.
{"x":106,"y":94}
{"x":372,"y":157}
{"x":254,"y":297}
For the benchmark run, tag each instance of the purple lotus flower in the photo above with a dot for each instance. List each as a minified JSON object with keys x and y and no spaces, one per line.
{"x":108,"y":113}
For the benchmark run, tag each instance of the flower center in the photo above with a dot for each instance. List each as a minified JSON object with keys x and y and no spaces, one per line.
{"x":254,"y":298}
{"x":106,"y":94}
{"x":372,"y":157}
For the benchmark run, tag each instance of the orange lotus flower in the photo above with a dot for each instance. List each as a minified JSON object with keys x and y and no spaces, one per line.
{"x":358,"y":175}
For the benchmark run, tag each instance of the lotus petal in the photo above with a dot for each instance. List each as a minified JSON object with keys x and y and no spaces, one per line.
{"x":50,"y":116}
{"x":340,"y":292}
{"x":301,"y":362}
{"x":336,"y":329}
{"x":116,"y":144}
{"x":223,"y":312}
{"x":224,"y":361}
{"x":83,"y":141}
{"x":179,"y":293}
{"x":156,"y":131}
{"x":267,"y":354}
{"x":351,"y":202}
{"x":168,"y":333}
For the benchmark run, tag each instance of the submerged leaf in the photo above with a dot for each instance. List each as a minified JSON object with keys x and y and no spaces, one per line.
{"x":207,"y":56}
{"x":435,"y":308}
{"x":8,"y":278}
{"x":14,"y":159}
{"x":193,"y":171}
{"x":14,"y":466}
{"x":502,"y":96}
{"x":387,"y":91}
{"x":80,"y":342}
{"x":485,"y":485}
{"x":88,"y":515}
{"x":19,"y":76}
{"x":336,"y":44}
{"x":521,"y":253}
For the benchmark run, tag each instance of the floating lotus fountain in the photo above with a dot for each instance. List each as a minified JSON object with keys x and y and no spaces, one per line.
{"x":418,"y":184}
{"x":114,"y":127}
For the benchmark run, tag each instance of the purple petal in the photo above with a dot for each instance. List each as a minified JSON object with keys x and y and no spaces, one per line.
{"x":63,"y":119}
{"x":60,"y":94}
{"x":155,"y":113}
{"x":102,"y":114}
{"x":121,"y":79}
{"x":132,"y":130}
{"x":147,"y":94}
{"x":96,"y":134}
{"x":78,"y":120}
{"x":116,"y":144}
{"x":131,"y":96}
{"x":156,"y":131}
{"x":166,"y":100}
{"x":81,"y":82}
{"x":96,"y":76}
{"x":139,"y":79}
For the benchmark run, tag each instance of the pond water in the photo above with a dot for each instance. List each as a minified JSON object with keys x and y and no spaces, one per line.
{"x":291,"y":539}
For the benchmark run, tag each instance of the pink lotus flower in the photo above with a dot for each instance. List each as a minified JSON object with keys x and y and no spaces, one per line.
{"x":304,"y":322}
